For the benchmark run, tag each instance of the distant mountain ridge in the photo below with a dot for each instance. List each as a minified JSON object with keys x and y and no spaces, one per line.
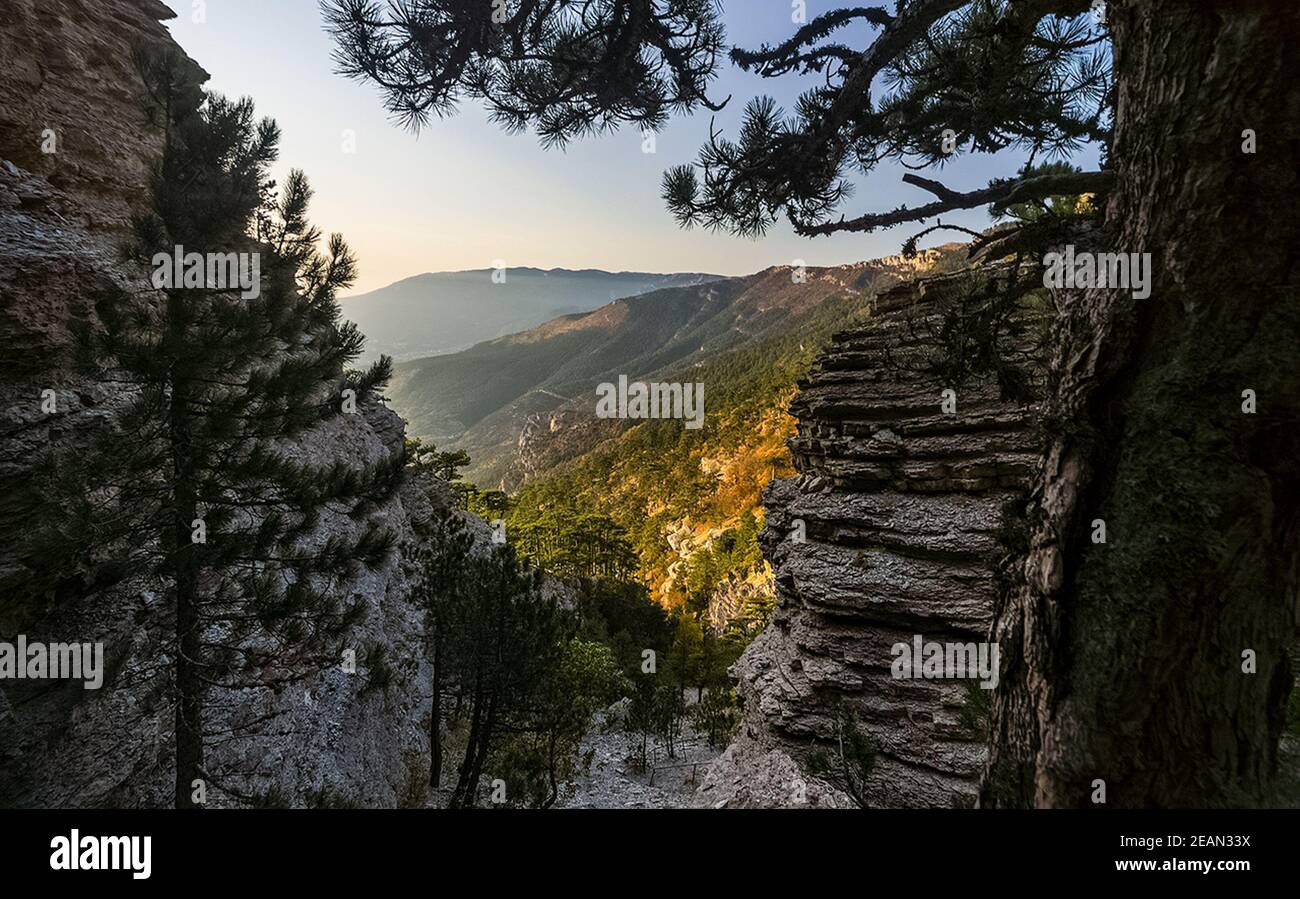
{"x":496,"y":398}
{"x":443,"y":312}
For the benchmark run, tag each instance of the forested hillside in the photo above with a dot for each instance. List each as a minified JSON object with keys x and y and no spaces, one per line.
{"x":494,"y":398}
{"x":687,"y":503}
{"x":677,"y":508}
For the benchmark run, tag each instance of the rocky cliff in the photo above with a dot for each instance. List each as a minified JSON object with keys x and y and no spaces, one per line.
{"x":71,"y":108}
{"x":892,"y":528}
{"x":75,"y":161}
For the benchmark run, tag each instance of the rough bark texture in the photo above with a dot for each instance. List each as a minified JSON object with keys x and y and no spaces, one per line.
{"x":903,"y":506}
{"x":1124,"y":660}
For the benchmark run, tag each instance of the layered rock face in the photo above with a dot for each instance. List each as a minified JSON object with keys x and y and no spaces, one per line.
{"x":76,"y":160}
{"x":70,"y":99}
{"x":339,"y":735}
{"x":891,"y":530}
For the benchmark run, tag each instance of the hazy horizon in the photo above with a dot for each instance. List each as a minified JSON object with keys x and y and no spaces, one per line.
{"x":355,"y":294}
{"x":463,"y":194}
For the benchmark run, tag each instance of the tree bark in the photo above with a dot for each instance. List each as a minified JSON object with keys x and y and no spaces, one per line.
{"x":461,"y":794}
{"x":480,"y":755}
{"x":554,"y":793}
{"x":189,"y":687}
{"x":189,"y":703}
{"x":1123,"y":660}
{"x":435,"y":712}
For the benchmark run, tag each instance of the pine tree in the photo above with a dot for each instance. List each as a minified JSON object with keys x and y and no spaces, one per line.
{"x":569,"y":66}
{"x":504,"y":640}
{"x":1193,"y":107}
{"x":199,"y":481}
{"x":440,"y":591}
{"x":847,"y":759}
{"x":539,"y":752}
{"x":497,"y":645}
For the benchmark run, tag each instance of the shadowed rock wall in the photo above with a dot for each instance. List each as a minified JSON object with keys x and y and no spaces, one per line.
{"x":902,"y":508}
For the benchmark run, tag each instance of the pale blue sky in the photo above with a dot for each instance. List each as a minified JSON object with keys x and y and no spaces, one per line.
{"x":463,"y":193}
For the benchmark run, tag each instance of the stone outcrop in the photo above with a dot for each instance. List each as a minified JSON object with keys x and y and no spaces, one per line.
{"x":71,"y":100}
{"x":333,"y":735}
{"x":751,"y":775}
{"x":731,"y":597}
{"x":892,"y":528}
{"x":65,"y":204}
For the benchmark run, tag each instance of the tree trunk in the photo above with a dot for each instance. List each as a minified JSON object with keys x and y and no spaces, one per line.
{"x":189,"y":687}
{"x":554,"y":793}
{"x":189,"y":704}
{"x":461,"y":792}
{"x":1124,"y":661}
{"x":435,"y":713}
{"x":480,"y":756}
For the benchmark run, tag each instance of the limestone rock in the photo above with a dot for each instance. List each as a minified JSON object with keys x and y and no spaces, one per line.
{"x":68,"y":66}
{"x":890,"y":530}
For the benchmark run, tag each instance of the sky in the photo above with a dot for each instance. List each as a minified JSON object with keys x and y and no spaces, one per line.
{"x":463,"y":194}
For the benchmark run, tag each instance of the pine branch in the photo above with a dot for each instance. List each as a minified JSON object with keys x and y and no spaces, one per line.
{"x":998,"y":193}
